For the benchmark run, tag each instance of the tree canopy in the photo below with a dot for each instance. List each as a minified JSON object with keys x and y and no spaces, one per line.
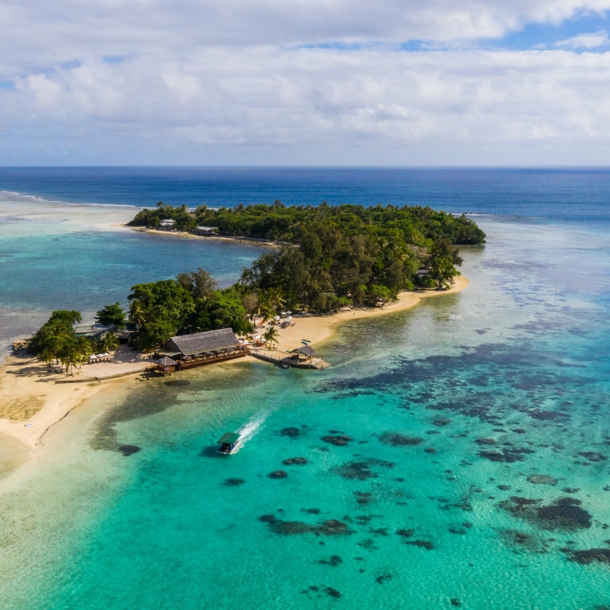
{"x":329,"y":257}
{"x":334,"y":255}
{"x":111,"y":315}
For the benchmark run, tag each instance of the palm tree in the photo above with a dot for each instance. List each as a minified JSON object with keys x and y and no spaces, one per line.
{"x":47,"y":356}
{"x":136,"y":313}
{"x":276,"y":297}
{"x":111,"y":342}
{"x":270,"y":336}
{"x":265,"y":310}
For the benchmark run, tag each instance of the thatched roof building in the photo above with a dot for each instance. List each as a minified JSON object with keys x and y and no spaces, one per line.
{"x":166,"y":362}
{"x":303,"y":350}
{"x":201,"y":343}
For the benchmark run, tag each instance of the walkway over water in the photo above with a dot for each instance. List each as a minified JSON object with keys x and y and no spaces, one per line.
{"x":284,"y":360}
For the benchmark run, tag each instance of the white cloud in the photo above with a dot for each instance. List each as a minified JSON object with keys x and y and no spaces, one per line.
{"x":586,"y":41}
{"x":312,"y":99}
{"x":246,"y":81}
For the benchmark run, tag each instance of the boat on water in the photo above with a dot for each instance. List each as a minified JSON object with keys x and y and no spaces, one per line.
{"x":228,"y":442}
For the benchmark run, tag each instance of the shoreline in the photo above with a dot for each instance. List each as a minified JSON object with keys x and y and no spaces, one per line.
{"x":319,"y":328}
{"x":30,"y":396}
{"x":251,"y":241}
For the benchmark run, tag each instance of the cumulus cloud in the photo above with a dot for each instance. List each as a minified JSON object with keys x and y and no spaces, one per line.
{"x":252,"y":81}
{"x":585,"y":41}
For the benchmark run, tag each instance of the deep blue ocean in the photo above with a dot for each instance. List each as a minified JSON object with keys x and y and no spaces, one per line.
{"x":561,"y":194}
{"x":478,"y":474}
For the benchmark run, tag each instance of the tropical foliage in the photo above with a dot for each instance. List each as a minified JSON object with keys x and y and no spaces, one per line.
{"x":191,"y":303}
{"x":332,"y":256}
{"x":271,"y":336}
{"x":56,"y":340}
{"x":111,"y":315}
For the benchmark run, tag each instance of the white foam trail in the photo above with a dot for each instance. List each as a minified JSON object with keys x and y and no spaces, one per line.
{"x":251,"y":428}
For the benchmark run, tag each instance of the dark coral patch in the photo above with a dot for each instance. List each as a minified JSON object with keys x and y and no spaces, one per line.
{"x":508,"y":456}
{"x":380,"y":531}
{"x":363,"y":497}
{"x":278,"y":474}
{"x":297,"y":461}
{"x":319,"y":591}
{"x":589,"y":556}
{"x":128,"y":450}
{"x":233,"y":482}
{"x":593,"y":456}
{"x":521,"y":541}
{"x":291,"y":432}
{"x":405,"y":533}
{"x":368,"y":544}
{"x":382,"y":578}
{"x":333,"y":560}
{"x":441,"y":421}
{"x":400,"y":440}
{"x":361,"y":470}
{"x":424,"y":544}
{"x":542,"y":479}
{"x":486,"y":441}
{"x":337,"y":440}
{"x":563,"y":513}
{"x":331,"y":527}
{"x":430,"y":450}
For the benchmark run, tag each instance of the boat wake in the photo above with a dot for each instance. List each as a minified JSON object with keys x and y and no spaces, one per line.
{"x":250,"y":429}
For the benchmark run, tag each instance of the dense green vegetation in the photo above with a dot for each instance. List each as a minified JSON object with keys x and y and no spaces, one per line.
{"x":111,"y":315}
{"x":345,"y":254}
{"x":329,"y":257}
{"x":57,"y":340}
{"x":415,"y":225}
{"x":189,"y":304}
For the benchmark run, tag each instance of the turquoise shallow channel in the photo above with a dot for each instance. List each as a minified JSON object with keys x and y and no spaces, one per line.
{"x":456,"y":456}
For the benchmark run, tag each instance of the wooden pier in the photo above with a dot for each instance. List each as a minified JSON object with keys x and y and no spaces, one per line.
{"x":288,"y":361}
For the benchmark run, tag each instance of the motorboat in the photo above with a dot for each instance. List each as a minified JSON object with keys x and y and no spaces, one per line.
{"x":228,"y":442}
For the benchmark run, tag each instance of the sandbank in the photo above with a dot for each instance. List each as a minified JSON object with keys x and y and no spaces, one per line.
{"x":31,"y":401}
{"x":251,"y":241}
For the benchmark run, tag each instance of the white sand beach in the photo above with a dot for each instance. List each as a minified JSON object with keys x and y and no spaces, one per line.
{"x":31,"y":400}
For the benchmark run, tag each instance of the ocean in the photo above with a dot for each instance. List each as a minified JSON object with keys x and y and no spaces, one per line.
{"x":477,"y":473}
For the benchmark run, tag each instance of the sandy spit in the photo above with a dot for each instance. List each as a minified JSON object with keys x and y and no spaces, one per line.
{"x":31,"y":402}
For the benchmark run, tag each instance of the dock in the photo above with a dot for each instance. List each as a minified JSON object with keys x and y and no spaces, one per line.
{"x":288,"y":360}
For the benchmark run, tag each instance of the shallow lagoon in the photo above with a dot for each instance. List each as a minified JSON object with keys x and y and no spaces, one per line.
{"x":60,"y":256}
{"x":451,"y":408}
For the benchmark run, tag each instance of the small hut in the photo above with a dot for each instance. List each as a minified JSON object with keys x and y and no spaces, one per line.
{"x":168,"y":224}
{"x":206,"y":231}
{"x":166,"y":365}
{"x":306,"y":351}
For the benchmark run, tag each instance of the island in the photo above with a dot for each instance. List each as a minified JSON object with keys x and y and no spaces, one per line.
{"x":329,"y":264}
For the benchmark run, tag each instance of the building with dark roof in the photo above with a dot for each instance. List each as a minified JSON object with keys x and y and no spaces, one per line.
{"x":303,"y":350}
{"x":212,"y":342}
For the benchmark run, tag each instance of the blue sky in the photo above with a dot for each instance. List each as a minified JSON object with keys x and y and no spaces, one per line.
{"x":337,"y":82}
{"x":532,"y":35}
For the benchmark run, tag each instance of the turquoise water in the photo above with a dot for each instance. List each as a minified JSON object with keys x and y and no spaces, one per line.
{"x":477,"y":465}
{"x":55,"y":256}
